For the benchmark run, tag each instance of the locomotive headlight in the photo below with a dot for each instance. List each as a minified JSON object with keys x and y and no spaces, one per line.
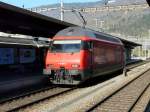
{"x":75,"y":65}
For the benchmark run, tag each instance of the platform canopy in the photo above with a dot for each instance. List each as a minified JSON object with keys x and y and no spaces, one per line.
{"x":21,"y":21}
{"x":129,"y":44}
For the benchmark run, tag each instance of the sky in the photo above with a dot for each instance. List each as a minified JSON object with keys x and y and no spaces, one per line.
{"x":34,"y":3}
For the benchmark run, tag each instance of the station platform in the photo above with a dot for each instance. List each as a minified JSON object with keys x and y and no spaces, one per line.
{"x":132,"y":61}
{"x":15,"y":81}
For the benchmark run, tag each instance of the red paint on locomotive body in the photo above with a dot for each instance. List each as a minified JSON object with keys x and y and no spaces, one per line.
{"x":75,"y":57}
{"x":57,"y":60}
{"x":65,"y":59}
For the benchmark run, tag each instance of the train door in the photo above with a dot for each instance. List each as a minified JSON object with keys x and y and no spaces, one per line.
{"x":88,"y":47}
{"x":91,"y":56}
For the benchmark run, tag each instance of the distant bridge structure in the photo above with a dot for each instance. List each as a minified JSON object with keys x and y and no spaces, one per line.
{"x":98,"y":9}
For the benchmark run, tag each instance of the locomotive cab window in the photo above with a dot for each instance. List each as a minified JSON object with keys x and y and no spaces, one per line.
{"x":87,"y":45}
{"x":68,"y":46}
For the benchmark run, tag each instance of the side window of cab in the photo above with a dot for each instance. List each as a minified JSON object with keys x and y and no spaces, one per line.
{"x":86,"y":45}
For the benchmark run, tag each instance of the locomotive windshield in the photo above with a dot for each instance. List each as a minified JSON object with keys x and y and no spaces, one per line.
{"x":66,"y":46}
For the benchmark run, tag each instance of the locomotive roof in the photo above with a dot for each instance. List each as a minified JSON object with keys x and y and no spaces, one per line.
{"x":79,"y":31}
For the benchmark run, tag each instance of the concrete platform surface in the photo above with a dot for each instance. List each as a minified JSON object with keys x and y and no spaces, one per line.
{"x":17,"y":81}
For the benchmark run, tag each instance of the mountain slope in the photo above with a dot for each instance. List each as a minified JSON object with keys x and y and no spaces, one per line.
{"x":128,"y":23}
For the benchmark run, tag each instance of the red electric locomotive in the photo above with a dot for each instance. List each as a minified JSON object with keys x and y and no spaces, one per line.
{"x":77,"y":54}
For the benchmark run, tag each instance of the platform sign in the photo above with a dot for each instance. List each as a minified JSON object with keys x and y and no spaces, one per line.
{"x":27,"y":55}
{"x":6,"y":56}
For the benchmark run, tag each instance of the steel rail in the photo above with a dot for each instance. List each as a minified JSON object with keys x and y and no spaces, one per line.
{"x":114,"y":93}
{"x":40,"y":100}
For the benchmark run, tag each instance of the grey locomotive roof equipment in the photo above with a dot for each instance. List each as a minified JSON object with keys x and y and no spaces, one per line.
{"x":79,"y":31}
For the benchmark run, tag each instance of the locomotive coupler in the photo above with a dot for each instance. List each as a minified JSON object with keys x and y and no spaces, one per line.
{"x":63,"y":75}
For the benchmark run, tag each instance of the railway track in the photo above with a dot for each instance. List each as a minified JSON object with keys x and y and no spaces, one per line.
{"x":19,"y":102}
{"x":127,"y":98}
{"x":131,"y":66}
{"x":134,"y":65}
{"x":31,"y":98}
{"x":2,"y":101}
